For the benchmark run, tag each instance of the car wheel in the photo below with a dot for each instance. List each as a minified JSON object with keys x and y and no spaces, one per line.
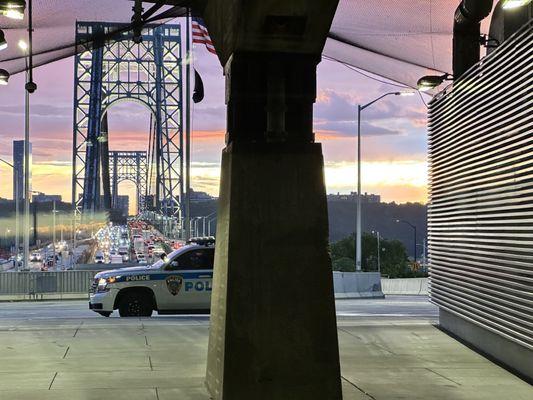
{"x":104,"y":313}
{"x":135,"y":305}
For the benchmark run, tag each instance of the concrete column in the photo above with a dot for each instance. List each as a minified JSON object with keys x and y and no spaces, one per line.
{"x":273,"y":331}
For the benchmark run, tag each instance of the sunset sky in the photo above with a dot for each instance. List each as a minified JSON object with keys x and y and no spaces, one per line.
{"x":394,"y":133}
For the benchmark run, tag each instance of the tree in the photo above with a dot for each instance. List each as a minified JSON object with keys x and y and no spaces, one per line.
{"x":393,"y":256}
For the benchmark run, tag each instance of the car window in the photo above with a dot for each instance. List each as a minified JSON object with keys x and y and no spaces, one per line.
{"x":195,"y":259}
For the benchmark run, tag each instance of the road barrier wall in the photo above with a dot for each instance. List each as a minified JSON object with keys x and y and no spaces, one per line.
{"x":346,"y":284}
{"x":37,"y":283}
{"x":405,"y":286}
{"x":352,"y":285}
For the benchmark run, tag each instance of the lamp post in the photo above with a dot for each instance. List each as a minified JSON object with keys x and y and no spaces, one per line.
{"x":379,"y":251}
{"x":360,"y":108}
{"x":205,"y":219}
{"x":209,"y":225}
{"x":54,"y":233}
{"x":414,"y":230}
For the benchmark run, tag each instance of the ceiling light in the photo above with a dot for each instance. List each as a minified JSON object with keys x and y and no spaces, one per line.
{"x":4,"y":77}
{"x":13,"y":8}
{"x":3,"y":42}
{"x":429,"y":82}
{"x":23,"y":45}
{"x":510,"y":4}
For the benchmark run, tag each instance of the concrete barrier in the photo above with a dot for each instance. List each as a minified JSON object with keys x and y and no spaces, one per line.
{"x":405,"y":286}
{"x":65,"y":284}
{"x":356,"y":285}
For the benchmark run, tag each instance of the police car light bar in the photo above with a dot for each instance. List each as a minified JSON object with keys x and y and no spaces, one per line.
{"x":202,"y":241}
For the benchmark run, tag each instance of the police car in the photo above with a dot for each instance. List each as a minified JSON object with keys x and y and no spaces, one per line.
{"x":179,"y":282}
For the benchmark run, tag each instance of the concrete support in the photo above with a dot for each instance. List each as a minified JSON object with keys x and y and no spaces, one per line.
{"x":273,"y":330}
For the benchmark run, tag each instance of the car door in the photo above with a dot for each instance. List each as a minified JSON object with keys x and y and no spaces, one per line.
{"x":187,"y":281}
{"x":199,"y":275}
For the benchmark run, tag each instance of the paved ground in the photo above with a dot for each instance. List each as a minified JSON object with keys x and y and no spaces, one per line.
{"x":389,"y":350}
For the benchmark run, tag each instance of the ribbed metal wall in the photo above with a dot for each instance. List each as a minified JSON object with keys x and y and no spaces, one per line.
{"x":481,"y":193}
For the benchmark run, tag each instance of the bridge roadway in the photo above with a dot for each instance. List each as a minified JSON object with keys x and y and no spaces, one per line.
{"x":390,"y":349}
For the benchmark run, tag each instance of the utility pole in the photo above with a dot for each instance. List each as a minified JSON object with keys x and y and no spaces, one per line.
{"x":358,"y":233}
{"x":379,"y":251}
{"x":188,"y":128}
{"x":358,"y":249}
{"x":54,"y":233}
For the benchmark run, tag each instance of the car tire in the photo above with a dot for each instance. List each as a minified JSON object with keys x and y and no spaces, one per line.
{"x":104,"y":313}
{"x":135,"y":305}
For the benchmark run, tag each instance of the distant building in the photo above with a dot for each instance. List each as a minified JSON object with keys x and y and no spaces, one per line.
{"x":201,"y":196}
{"x":352,"y":197}
{"x":18,"y":170}
{"x":43,"y":198}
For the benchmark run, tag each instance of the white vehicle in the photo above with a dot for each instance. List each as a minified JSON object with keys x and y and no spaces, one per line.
{"x":124,"y":252}
{"x":178,"y":283}
{"x":115,"y":259}
{"x":36,"y":257}
{"x":141,"y":259}
{"x":99,"y":258}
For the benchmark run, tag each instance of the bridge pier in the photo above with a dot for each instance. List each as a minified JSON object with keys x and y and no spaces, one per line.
{"x":273,"y":329}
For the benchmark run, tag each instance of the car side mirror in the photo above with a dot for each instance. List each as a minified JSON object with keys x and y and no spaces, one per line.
{"x":174,"y":264}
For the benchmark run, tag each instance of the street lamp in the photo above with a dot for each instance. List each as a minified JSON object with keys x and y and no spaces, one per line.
{"x":358,"y":216}
{"x":204,"y":218}
{"x":209,"y":225}
{"x":414,"y":229}
{"x":429,"y":82}
{"x":13,"y":9}
{"x":510,"y":4}
{"x":379,"y":250}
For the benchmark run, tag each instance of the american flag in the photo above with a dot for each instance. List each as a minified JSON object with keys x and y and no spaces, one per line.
{"x":200,"y":34}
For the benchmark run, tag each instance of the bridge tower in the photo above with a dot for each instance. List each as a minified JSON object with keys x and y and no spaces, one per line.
{"x":129,"y":166}
{"x":118,"y":69}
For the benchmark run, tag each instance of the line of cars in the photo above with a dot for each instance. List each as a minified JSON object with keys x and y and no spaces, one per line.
{"x":113,"y":245}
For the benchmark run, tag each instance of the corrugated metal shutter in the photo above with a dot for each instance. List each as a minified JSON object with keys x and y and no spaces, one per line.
{"x":480,"y":216}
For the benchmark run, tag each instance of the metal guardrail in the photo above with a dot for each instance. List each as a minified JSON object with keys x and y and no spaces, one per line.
{"x":480,"y":213}
{"x":33,"y":283}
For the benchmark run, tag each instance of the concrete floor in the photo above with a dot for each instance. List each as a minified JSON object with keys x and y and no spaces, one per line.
{"x":389,"y":350}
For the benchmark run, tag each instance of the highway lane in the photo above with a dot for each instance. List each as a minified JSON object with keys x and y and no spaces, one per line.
{"x":401,"y":308}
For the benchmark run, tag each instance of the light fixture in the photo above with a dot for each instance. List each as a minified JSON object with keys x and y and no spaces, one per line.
{"x":510,"y":4}
{"x":429,"y":82}
{"x":23,"y":45}
{"x":405,"y":93}
{"x":3,"y":42}
{"x":4,"y":77}
{"x":13,"y":8}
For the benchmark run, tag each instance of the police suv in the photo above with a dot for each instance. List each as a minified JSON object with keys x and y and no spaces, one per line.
{"x":179,"y":282}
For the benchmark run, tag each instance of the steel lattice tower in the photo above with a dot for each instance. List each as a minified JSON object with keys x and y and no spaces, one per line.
{"x":129,"y":166}
{"x":116,"y":70}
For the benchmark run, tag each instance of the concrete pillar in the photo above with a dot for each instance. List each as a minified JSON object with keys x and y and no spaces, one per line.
{"x":273,"y":332}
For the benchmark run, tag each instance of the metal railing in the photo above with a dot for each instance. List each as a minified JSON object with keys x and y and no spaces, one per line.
{"x":34,"y":283}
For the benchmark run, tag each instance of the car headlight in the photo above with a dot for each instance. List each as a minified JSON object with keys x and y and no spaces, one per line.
{"x":103,"y":283}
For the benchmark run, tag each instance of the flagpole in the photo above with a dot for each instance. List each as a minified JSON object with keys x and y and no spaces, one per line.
{"x":188,"y":56}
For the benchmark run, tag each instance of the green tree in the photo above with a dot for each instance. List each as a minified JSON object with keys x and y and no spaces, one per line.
{"x":393,"y":256}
